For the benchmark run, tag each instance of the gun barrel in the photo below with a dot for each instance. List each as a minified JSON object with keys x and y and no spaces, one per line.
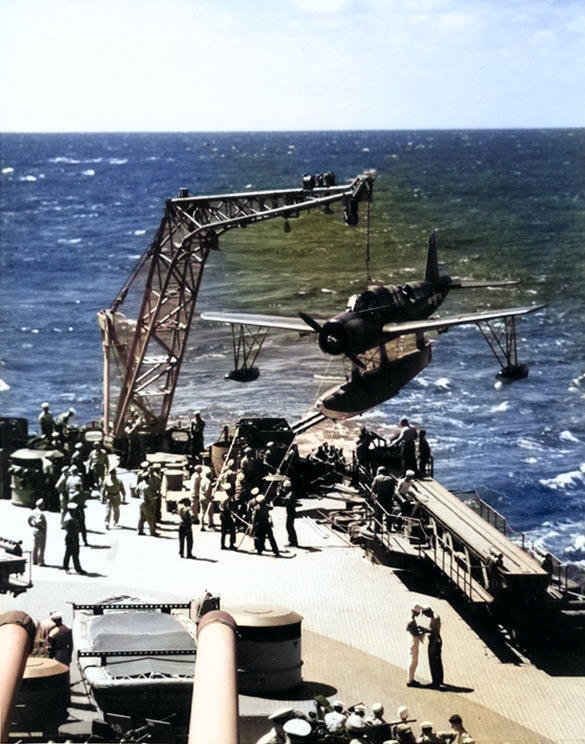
{"x":215,"y":682}
{"x":17,"y":635}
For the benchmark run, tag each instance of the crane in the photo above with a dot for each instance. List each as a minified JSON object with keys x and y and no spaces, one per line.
{"x":145,"y":331}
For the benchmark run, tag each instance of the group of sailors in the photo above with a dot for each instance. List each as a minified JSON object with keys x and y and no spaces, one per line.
{"x":388,"y":488}
{"x":391,"y":500}
{"x":330,"y":464}
{"x":408,"y":445}
{"x":249,"y":483}
{"x":241,"y":495}
{"x":251,"y":480}
{"x":333,"y":723}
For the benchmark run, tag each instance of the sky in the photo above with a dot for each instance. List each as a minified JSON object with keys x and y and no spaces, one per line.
{"x":262,"y":65}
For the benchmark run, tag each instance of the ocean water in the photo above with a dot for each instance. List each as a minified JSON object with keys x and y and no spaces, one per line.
{"x":78,"y":210}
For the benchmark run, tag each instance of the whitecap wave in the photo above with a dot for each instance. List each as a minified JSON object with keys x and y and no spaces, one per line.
{"x":577,"y":384}
{"x":7,"y":171}
{"x":4,"y":386}
{"x":501,"y":407}
{"x":566,"y":436}
{"x":529,"y":444}
{"x":563,"y":481}
{"x":63,"y":159}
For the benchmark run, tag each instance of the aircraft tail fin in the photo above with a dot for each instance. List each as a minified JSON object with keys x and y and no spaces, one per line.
{"x":432,"y":273}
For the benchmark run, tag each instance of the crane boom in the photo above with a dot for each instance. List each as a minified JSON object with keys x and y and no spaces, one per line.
{"x":144,"y":332}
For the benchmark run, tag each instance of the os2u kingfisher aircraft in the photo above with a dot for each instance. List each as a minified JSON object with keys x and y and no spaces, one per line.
{"x":382,"y":332}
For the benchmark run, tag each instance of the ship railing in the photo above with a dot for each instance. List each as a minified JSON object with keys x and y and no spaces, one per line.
{"x":565,"y":578}
{"x":106,"y":654}
{"x":115,"y":604}
{"x":461,"y":568}
{"x":485,"y":511}
{"x":394,"y":531}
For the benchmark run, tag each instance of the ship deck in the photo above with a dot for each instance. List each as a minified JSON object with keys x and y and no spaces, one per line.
{"x":354,"y":643}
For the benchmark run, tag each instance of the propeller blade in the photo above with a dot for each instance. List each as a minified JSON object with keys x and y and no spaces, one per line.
{"x":310,"y":322}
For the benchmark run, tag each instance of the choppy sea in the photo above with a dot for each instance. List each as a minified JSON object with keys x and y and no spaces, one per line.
{"x":78,"y":210}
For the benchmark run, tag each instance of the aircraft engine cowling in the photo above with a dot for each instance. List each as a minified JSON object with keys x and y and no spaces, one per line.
{"x":333,"y":338}
{"x":348,"y":335}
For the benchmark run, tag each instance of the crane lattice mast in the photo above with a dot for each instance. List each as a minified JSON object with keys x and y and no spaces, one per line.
{"x":144,"y":332}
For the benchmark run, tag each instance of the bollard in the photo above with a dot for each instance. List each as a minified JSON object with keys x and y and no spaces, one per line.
{"x":17,"y":637}
{"x":215,"y":683}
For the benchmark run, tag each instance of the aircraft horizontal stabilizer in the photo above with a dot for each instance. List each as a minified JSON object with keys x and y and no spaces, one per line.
{"x":471,"y":284}
{"x":414,"y":326}
{"x":264,"y":321}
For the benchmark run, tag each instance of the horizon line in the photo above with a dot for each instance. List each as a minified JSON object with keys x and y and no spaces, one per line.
{"x":291,"y":131}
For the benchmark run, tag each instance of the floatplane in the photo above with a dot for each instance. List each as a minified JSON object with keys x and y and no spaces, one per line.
{"x":382,"y":333}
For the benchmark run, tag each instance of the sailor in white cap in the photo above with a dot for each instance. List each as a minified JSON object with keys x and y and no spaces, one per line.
{"x":277,"y":734}
{"x":289,"y":499}
{"x":97,"y":465}
{"x":355,"y":727}
{"x":113,"y":494}
{"x":404,"y":485}
{"x":405,"y":439}
{"x":61,"y":487}
{"x":60,"y":640}
{"x":63,"y":420}
{"x":406,"y":501}
{"x":78,"y":459}
{"x":402,"y":713}
{"x":415,"y":635}
{"x":427,"y":735}
{"x":335,"y":719}
{"x":401,"y":721}
{"x":72,"y":528}
{"x":38,"y":522}
{"x":206,"y":497}
{"x":46,"y":421}
{"x":377,"y":717}
{"x":262,"y":526}
{"x":298,"y":728}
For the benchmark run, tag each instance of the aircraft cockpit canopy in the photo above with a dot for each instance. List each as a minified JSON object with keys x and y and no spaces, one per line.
{"x":376,"y":299}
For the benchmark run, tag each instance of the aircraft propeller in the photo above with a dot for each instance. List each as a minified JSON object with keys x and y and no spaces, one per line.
{"x":318,"y":328}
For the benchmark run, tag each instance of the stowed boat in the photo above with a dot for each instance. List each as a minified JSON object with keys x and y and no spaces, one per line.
{"x":139,"y":659}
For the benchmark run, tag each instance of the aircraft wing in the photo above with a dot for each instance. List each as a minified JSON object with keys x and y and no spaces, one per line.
{"x":438,"y":324}
{"x":265,"y":321}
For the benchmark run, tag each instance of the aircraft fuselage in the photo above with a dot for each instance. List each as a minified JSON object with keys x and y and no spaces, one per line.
{"x":360,"y":326}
